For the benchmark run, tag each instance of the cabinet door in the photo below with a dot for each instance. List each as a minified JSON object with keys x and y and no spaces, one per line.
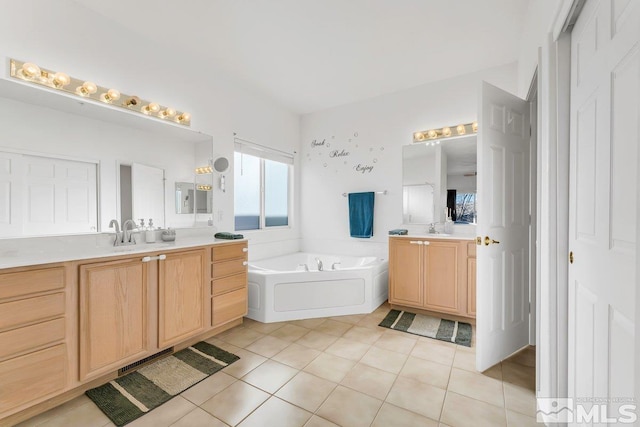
{"x":181,"y":296}
{"x":113,"y":315}
{"x":471,"y":283}
{"x":441,"y":275}
{"x":405,"y":271}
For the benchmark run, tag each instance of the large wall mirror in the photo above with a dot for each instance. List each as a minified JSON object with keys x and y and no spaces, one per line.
{"x":439,"y":180}
{"x":69,"y":168}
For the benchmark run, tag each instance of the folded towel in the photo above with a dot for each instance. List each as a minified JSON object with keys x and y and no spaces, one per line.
{"x":361,"y":214}
{"x":398,"y":232}
{"x":228,"y":236}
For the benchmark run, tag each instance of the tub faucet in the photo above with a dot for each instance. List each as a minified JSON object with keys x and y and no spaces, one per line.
{"x":305,"y":266}
{"x":333,"y":266}
{"x":127,"y":239}
{"x":118,"y":239}
{"x":320,"y":268}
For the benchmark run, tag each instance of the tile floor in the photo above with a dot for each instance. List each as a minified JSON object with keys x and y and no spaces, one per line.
{"x":340,"y":371}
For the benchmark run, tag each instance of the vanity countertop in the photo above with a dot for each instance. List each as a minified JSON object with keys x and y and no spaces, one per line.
{"x":29,"y":255}
{"x":436,"y":236}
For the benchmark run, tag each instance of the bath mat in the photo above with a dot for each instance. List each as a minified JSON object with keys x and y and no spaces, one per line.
{"x":427,"y":326}
{"x":133,"y":395}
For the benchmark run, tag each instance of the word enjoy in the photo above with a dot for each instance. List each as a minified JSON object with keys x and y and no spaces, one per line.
{"x":363,"y":168}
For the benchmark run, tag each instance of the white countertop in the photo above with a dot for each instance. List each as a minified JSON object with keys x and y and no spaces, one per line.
{"x":436,"y":236}
{"x":27,"y":252}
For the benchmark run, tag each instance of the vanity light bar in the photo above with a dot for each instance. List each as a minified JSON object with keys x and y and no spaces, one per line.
{"x":204,"y":187}
{"x":32,"y":73}
{"x":203,"y":170}
{"x":446,"y":132}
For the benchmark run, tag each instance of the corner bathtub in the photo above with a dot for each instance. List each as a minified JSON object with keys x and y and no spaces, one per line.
{"x":280,"y":289}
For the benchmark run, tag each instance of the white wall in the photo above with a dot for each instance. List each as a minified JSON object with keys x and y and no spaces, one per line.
{"x":382,"y":125}
{"x":65,"y":36}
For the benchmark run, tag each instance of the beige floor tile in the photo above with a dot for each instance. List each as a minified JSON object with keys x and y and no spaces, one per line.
{"x":309,"y":323}
{"x":332,"y":327}
{"x":351,"y":319}
{"x":386,"y":360}
{"x":523,"y":376}
{"x":421,"y":398}
{"x":317,"y":340}
{"x":207,"y":388}
{"x":276,"y":412}
{"x":165,"y":415}
{"x":243,"y":337}
{"x":519,"y":399}
{"x":84,"y":415}
{"x":363,"y":335}
{"x":306,"y":391}
{"x":434,"y":351}
{"x":397,"y":343}
{"x":461,"y":411}
{"x":268,"y":346}
{"x":427,"y":372}
{"x":270,"y":376}
{"x":515,"y":419}
{"x":390,"y":415}
{"x":526,"y":357}
{"x":248,"y":362}
{"x":494,"y":372}
{"x":347,"y":407}
{"x":368,"y":380}
{"x":290,"y":332}
{"x":330,"y":367}
{"x":238,"y":401}
{"x":465,"y":360}
{"x":317,"y":421}
{"x":266,"y":328}
{"x":348,"y":349}
{"x":371,"y":322}
{"x":198,"y":418}
{"x":476,"y":386}
{"x":57,"y":411}
{"x":296,"y":355}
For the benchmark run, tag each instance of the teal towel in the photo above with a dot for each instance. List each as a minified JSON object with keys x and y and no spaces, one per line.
{"x":361,"y":214}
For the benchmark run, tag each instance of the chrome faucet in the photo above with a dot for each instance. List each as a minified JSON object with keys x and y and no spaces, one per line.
{"x":118,"y":239}
{"x":305,"y":266}
{"x":432,"y":228}
{"x":333,"y":266}
{"x":127,"y":239}
{"x":320,"y":268}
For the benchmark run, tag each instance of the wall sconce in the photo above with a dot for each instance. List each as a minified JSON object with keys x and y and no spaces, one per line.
{"x":436,"y":135}
{"x":32,"y":73}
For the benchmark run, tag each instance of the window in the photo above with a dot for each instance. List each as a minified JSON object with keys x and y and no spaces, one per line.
{"x":466,"y":207}
{"x":261,"y":196}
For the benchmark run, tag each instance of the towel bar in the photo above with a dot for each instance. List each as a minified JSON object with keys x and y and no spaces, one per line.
{"x":377,"y":192}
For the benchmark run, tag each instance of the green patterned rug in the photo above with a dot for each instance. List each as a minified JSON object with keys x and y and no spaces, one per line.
{"x":427,"y":326}
{"x":133,"y":395}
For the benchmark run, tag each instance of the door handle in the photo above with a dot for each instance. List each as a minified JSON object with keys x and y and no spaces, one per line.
{"x":571,"y":257}
{"x":416,"y":242}
{"x":154,"y":258}
{"x":488,"y":241}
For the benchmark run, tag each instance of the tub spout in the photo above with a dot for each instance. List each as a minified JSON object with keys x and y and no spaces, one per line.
{"x":320,"y":268}
{"x":333,"y":266}
{"x":305,"y":266}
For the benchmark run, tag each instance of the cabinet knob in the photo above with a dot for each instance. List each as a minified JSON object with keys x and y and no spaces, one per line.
{"x":245,"y":263}
{"x":416,"y":242}
{"x":245,"y":249}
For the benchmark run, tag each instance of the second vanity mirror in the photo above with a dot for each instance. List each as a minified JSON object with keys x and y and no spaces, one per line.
{"x":439,"y":179}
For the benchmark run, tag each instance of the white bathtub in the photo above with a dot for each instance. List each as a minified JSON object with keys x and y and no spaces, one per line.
{"x":280,"y":289}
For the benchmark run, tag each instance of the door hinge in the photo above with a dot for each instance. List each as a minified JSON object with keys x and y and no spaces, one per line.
{"x":529,"y":307}
{"x":530,"y":131}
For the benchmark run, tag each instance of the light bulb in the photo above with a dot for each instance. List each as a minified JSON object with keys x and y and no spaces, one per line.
{"x":87,"y":88}
{"x":151,"y":108}
{"x":168,"y":113}
{"x":30,"y":70}
{"x":446,"y":131}
{"x":132,"y":101}
{"x":418,"y":136}
{"x":60,"y":80}
{"x":184,"y":118}
{"x":474,"y":126}
{"x":461,"y":130}
{"x":432,"y":134}
{"x":110,"y":95}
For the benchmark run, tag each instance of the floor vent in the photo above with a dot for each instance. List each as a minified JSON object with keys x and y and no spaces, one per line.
{"x":144,"y":361}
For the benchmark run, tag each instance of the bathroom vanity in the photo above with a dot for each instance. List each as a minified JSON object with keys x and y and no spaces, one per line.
{"x":433,"y":273}
{"x":71,"y":325}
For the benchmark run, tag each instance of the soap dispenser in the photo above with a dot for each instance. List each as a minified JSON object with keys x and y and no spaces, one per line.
{"x":150,"y":233}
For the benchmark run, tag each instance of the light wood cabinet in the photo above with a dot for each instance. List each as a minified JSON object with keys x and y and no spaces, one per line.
{"x":228,"y":282}
{"x":430,"y":274}
{"x":181,"y":299}
{"x":114,"y":309}
{"x":471,"y":279}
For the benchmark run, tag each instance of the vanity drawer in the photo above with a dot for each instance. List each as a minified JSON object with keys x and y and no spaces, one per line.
{"x":227,"y":284}
{"x":23,"y":339}
{"x":32,"y":376}
{"x":31,"y":310}
{"x":471,"y":249}
{"x":229,"y":251}
{"x":227,"y":268}
{"x":229,"y":306}
{"x":31,"y":281}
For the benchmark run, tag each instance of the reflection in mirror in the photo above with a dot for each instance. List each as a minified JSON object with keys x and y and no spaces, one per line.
{"x":189,"y":201}
{"x":147,"y":191}
{"x":439,"y":179}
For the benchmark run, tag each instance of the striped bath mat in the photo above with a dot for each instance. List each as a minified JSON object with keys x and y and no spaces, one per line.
{"x":427,"y":326}
{"x":133,"y":395}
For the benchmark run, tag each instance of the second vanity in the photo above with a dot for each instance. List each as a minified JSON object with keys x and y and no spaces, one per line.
{"x":434,"y":273}
{"x":71,"y":325}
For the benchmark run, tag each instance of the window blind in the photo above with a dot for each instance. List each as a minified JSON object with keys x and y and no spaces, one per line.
{"x":257,"y":150}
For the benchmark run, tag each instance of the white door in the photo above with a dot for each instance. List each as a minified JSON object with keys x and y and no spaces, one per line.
{"x":502,"y":313}
{"x":605,"y":95}
{"x":147,"y":188}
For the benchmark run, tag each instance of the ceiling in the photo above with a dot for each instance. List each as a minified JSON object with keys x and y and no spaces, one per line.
{"x":310,"y":55}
